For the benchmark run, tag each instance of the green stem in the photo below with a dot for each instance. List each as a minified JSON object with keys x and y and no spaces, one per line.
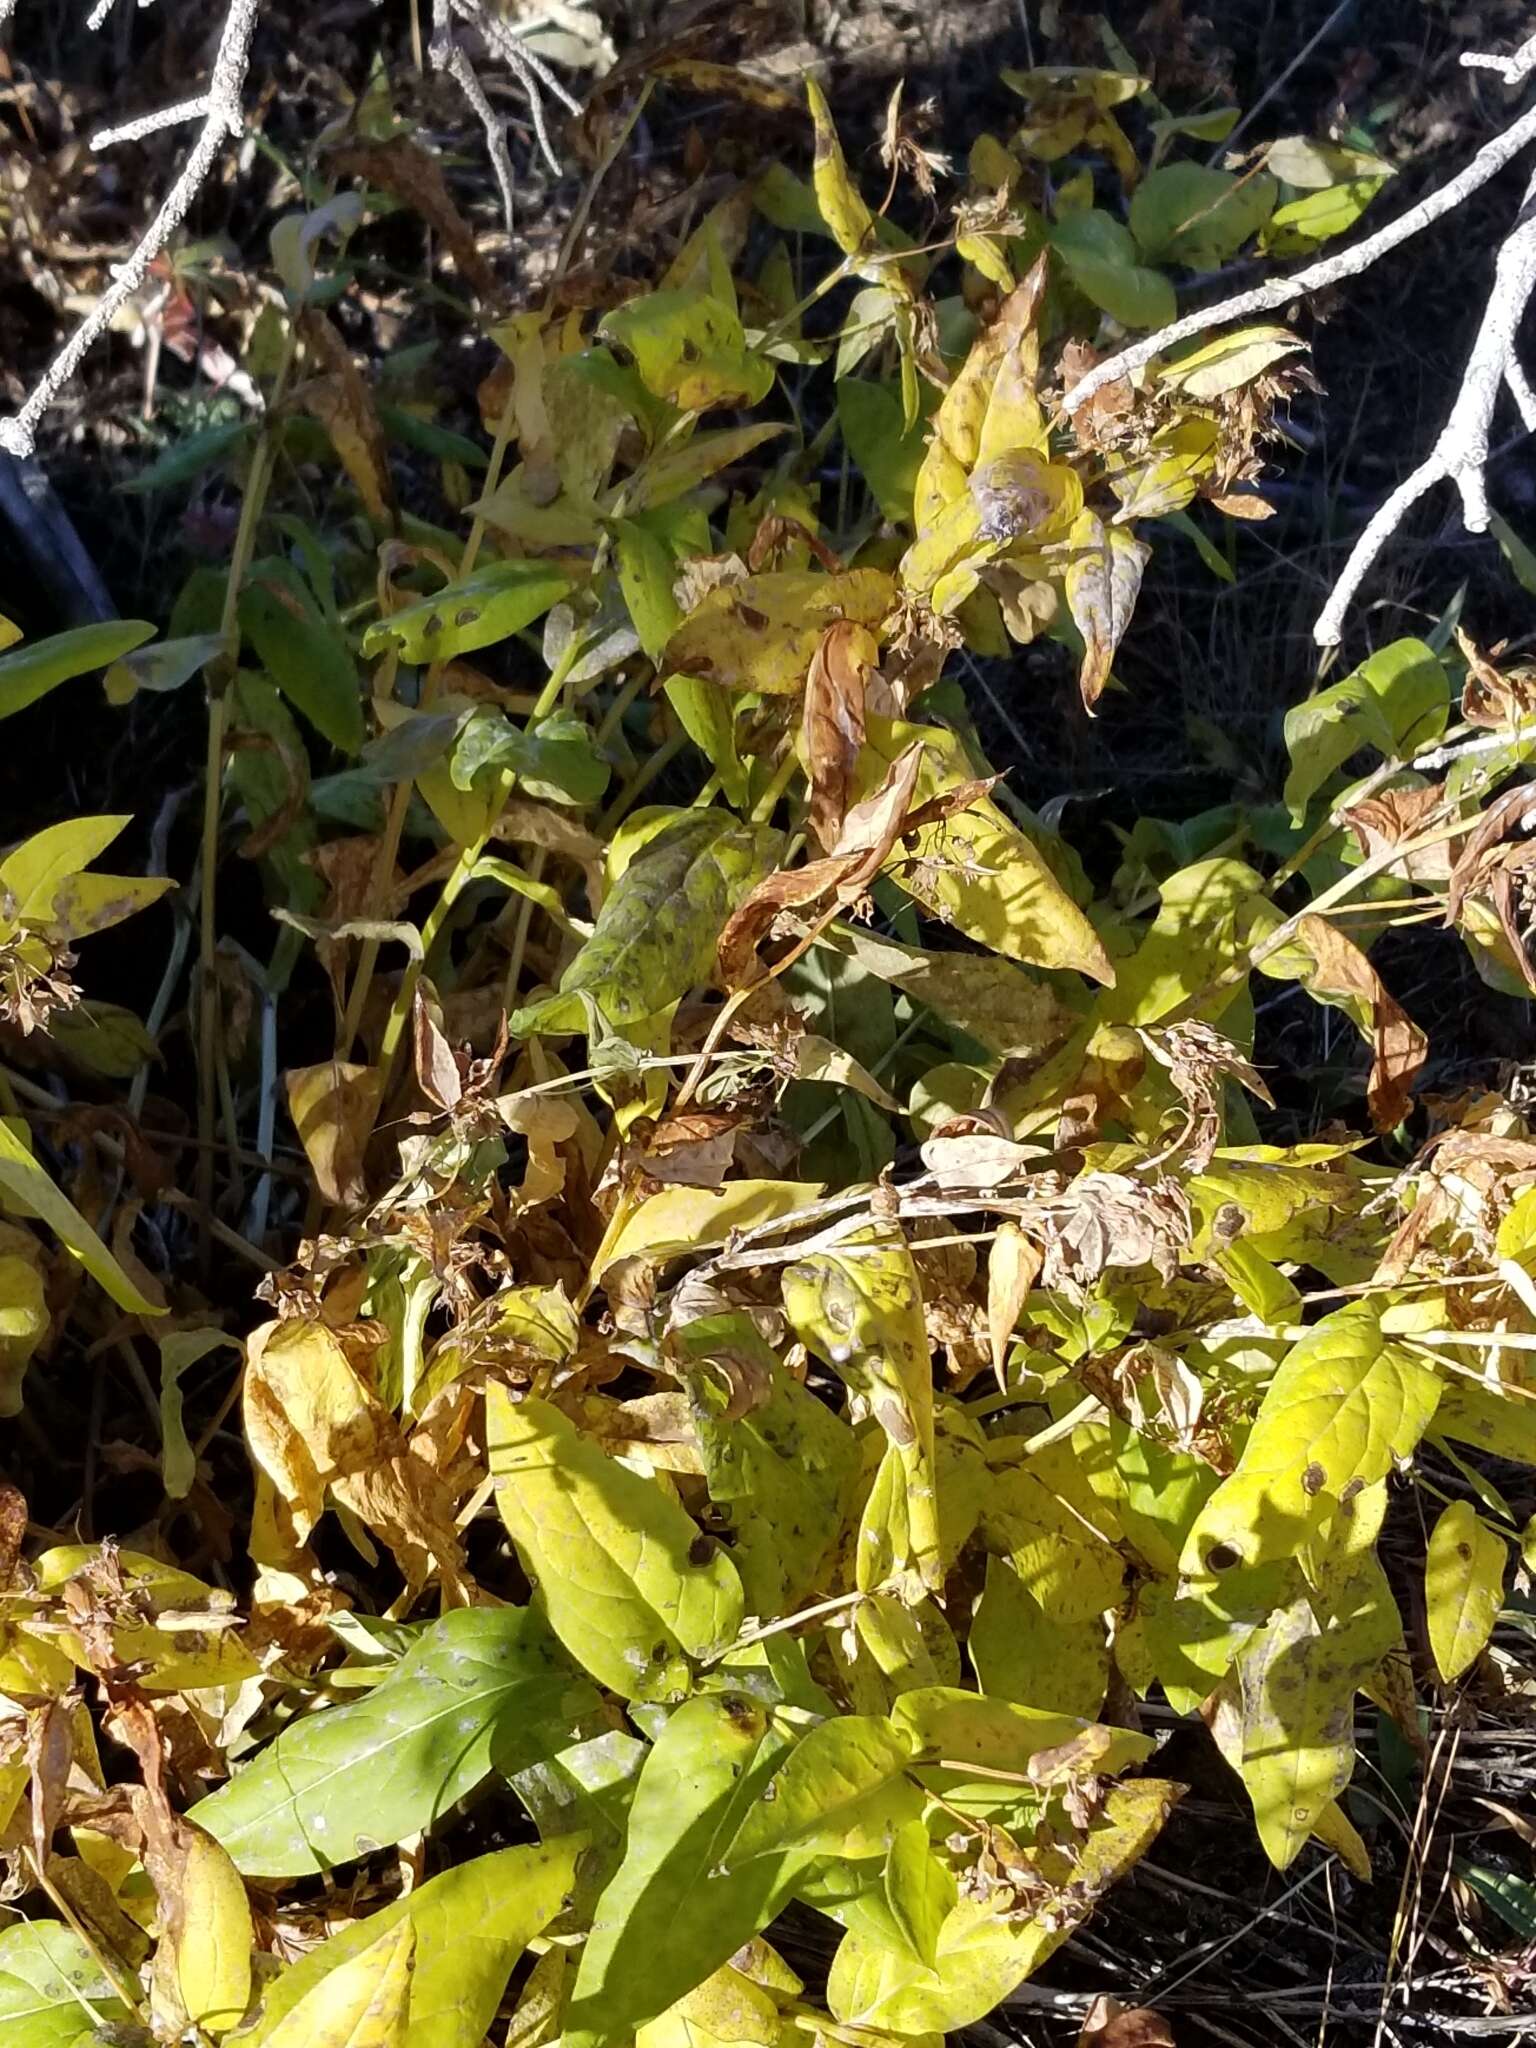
{"x":220,"y":680}
{"x":783,"y":775}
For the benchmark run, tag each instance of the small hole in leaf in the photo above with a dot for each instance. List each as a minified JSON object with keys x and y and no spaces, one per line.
{"x":1222,"y":1557}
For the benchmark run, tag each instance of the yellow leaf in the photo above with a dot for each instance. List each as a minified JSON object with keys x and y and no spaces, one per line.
{"x":214,"y":1939}
{"x":333,"y":1107}
{"x":361,"y":2004}
{"x":1463,"y":1587}
{"x":726,"y":2008}
{"x":842,"y":206}
{"x":1295,"y":1746}
{"x":861,"y":1309}
{"x":976,"y":870}
{"x":1344,"y":1404}
{"x":683,"y":1219}
{"x":761,"y":633}
{"x":1336,"y":1831}
{"x":10,"y":633}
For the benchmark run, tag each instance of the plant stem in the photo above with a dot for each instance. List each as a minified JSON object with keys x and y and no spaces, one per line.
{"x":220,"y":679}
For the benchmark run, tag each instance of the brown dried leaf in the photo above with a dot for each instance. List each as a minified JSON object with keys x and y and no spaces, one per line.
{"x":1109,"y":2024}
{"x":832,"y":725}
{"x":1104,"y":571}
{"x":1381,"y":822}
{"x":341,"y":401}
{"x":1012,"y":1271}
{"x":409,"y":173}
{"x":437,"y":1071}
{"x":1515,"y":811}
{"x":333,"y":1106}
{"x":1398,"y":1047}
{"x":1493,"y":697}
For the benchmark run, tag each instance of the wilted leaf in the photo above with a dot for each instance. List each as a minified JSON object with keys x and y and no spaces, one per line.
{"x":1104,"y":573}
{"x":1398,"y":1047}
{"x":833,"y":722}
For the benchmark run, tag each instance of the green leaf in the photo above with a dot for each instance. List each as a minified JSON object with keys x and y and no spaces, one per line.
{"x":988,"y":1947}
{"x":843,"y":1790}
{"x":31,"y":671}
{"x":655,"y":934}
{"x":52,"y":1989}
{"x":1512,"y":1897}
{"x":682,"y":466}
{"x":707,"y":713}
{"x":669,"y":1918}
{"x":647,"y":570}
{"x":193,"y":456}
{"x":1193,"y":214}
{"x":481,"y":1690}
{"x":472,"y":1922}
{"x":1100,"y":256}
{"x":1305,"y":224}
{"x":886,"y":453}
{"x":1396,"y":702}
{"x":556,"y":762}
{"x":781,"y":1473}
{"x":630,"y":1586}
{"x":1463,"y":1587}
{"x":920,"y":1891}
{"x":308,"y":660}
{"x":860,"y":1308}
{"x":1023,"y":1653}
{"x":27,"y":1191}
{"x":690,"y":350}
{"x":165,"y":665}
{"x":482,"y":609}
{"x":1210,"y":369}
{"x":1345,"y":1403}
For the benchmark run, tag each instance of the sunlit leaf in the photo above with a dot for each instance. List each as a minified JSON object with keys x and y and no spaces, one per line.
{"x":630,"y":1586}
{"x":1463,"y":1587}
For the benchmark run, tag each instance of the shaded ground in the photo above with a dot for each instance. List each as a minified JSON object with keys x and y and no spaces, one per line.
{"x":1231,"y":1952}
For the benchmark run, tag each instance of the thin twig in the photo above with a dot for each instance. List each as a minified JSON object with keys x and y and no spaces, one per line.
{"x":223,"y":119}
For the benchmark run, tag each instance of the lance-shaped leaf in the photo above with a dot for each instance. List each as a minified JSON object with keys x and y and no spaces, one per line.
{"x":1463,"y":1587}
{"x":976,"y":870}
{"x":986,"y":1948}
{"x":31,"y":671}
{"x":471,"y":1924}
{"x":305,"y":655}
{"x":860,"y":1308}
{"x":656,"y":932}
{"x":669,"y":1917}
{"x":27,"y":1191}
{"x":779,"y":1464}
{"x":843,"y":1790}
{"x":208,"y":1923}
{"x":630,"y":1586}
{"x":491,"y":605}
{"x":1345,"y":1403}
{"x":1103,"y":578}
{"x":842,"y":205}
{"x":363,"y":2004}
{"x":484,"y":1688}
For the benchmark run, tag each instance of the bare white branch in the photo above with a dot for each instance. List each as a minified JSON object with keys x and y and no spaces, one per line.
{"x":151,"y":124}
{"x":1511,"y":69}
{"x":1460,"y":455}
{"x":224,"y":118}
{"x":459,"y":68}
{"x":1284,"y":291}
{"x":1521,"y":392}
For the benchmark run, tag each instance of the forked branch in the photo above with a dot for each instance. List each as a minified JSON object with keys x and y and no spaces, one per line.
{"x":1460,"y":453}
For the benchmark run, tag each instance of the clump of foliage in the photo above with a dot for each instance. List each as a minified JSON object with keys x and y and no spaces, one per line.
{"x":798,"y":1328}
